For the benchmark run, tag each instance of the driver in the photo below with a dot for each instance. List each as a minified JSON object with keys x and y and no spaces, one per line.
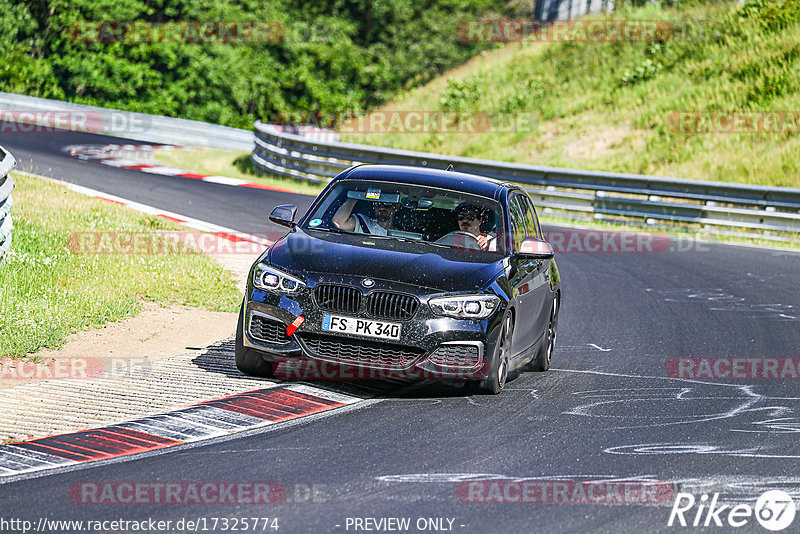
{"x":345,"y":219}
{"x":470,"y":218}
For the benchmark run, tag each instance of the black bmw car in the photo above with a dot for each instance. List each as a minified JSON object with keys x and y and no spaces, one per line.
{"x":410,"y":270}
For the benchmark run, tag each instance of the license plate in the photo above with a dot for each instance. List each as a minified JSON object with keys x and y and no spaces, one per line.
{"x":361,"y":327}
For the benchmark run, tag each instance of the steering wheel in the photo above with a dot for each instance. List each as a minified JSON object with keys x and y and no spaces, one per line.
{"x":459,"y":238}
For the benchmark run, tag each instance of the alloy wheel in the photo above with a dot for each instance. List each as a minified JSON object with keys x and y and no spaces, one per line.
{"x":552,"y":331}
{"x":505,"y":349}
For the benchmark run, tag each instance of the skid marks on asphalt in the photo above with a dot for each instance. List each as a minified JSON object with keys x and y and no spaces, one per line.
{"x":722,"y":300}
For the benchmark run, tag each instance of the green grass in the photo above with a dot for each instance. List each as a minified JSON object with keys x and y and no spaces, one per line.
{"x":48,"y":292}
{"x":235,"y":164}
{"x":607,"y":106}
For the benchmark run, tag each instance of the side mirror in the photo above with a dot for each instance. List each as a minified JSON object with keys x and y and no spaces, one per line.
{"x":536,"y":249}
{"x":284,"y":215}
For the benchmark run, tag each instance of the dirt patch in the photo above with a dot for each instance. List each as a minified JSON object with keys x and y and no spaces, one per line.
{"x":600,"y":141}
{"x":549,"y":131}
{"x":156,"y":333}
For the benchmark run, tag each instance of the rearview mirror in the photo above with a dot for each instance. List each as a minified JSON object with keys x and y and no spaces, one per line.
{"x":284,"y":215}
{"x":536,"y":249}
{"x":419,"y":204}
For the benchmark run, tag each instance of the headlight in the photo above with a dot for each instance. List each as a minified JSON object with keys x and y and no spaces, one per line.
{"x":465,"y":306}
{"x":271,"y":279}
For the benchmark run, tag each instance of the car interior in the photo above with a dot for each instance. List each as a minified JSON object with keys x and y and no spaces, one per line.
{"x":428,"y":224}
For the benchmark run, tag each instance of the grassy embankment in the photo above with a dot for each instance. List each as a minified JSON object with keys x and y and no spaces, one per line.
{"x":608,"y":106}
{"x":47,"y":291}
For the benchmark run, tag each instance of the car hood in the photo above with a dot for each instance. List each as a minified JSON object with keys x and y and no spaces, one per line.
{"x":439,"y":268}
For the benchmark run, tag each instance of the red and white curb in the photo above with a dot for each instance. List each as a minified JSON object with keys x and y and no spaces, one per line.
{"x":211,"y":419}
{"x":110,"y":155}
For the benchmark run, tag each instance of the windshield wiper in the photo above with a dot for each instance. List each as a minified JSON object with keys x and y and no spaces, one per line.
{"x":331,"y":230}
{"x":410,"y":240}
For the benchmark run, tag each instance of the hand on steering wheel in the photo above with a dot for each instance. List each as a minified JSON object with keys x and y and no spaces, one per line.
{"x":480,"y":240}
{"x":465,"y":233}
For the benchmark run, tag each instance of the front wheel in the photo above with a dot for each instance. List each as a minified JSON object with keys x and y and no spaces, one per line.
{"x":248,"y":360}
{"x":494,"y":383}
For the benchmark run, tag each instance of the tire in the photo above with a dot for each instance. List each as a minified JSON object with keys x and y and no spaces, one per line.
{"x":248,"y":360}
{"x":498,"y":376}
{"x":544,"y":356}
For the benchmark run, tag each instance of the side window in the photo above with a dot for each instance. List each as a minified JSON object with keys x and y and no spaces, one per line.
{"x":517,"y":222}
{"x":531,"y":220}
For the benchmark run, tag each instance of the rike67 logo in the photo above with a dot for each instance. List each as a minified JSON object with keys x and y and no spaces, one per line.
{"x":774,"y":510}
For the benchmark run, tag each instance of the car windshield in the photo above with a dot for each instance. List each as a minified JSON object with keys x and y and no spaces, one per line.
{"x":409,"y":212}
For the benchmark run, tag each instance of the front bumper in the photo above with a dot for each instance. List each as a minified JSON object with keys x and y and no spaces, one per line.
{"x":430,"y":346}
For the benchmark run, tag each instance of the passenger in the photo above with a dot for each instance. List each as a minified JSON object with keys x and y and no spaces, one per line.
{"x":345,"y":219}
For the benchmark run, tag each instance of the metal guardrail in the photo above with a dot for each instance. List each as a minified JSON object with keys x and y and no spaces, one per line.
{"x":590,"y":193}
{"x":569,"y":9}
{"x":136,"y":126}
{"x":7,"y":164}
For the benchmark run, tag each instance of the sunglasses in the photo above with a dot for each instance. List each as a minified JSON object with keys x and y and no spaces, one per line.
{"x":384,"y":204}
{"x":467,"y":217}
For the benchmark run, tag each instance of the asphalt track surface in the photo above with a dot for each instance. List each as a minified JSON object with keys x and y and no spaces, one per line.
{"x":608,"y":409}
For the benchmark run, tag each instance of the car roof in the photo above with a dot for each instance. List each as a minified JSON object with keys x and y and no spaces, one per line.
{"x":459,"y":181}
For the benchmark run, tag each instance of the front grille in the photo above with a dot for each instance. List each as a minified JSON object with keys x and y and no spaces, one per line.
{"x":361,"y":352}
{"x":461,"y":356}
{"x":268,"y":330}
{"x":391,"y":305}
{"x":338,"y":298}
